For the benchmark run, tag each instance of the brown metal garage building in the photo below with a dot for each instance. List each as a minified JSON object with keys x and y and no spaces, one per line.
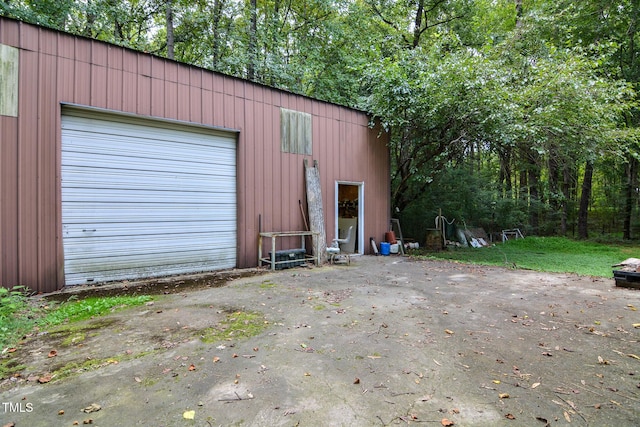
{"x":118,"y":164}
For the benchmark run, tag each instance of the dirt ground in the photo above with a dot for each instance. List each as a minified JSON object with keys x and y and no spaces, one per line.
{"x":383,"y":341}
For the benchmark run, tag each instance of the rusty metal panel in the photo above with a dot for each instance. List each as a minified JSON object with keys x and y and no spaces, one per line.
{"x":82,"y":94}
{"x":207,"y":108}
{"x":29,"y":37}
{"x":207,"y":81}
{"x":130,"y":91}
{"x":66,"y":79}
{"x":158,"y":97}
{"x":183,"y":74}
{"x":99,"y":91}
{"x":99,"y":53}
{"x":9,"y":268}
{"x":114,"y":89}
{"x":46,"y":202}
{"x":143,"y":106}
{"x":115,"y":57}
{"x":182,"y":102}
{"x":48,"y":42}
{"x":28,"y":161}
{"x":10,"y":33}
{"x":195,"y":104}
{"x":195,"y":77}
{"x":157,"y":68}
{"x":130,"y":61}
{"x":144,"y":65}
{"x":83,"y":50}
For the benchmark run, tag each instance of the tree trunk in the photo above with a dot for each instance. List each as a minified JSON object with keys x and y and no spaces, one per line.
{"x":555,"y":198}
{"x":533,"y":176}
{"x":566,"y":196}
{"x":170,"y":41}
{"x":417,"y":24}
{"x":253,"y":42}
{"x":583,"y":211}
{"x":629,"y":191}
{"x":504,"y":177}
{"x":217,"y":16}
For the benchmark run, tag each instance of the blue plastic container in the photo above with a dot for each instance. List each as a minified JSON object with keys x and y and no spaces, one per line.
{"x":385,"y":248}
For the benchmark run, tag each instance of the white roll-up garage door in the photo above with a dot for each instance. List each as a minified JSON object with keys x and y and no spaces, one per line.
{"x":143,"y":198}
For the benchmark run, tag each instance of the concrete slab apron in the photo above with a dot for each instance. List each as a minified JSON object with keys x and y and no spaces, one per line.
{"x":385,"y":341}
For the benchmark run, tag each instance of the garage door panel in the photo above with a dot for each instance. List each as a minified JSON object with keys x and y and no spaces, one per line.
{"x":192,"y":198}
{"x":79,"y":177}
{"x":112,"y":164}
{"x":165,"y":267}
{"x":109,"y":247}
{"x":101,"y":142}
{"x":143,"y":199}
{"x":134,"y":215}
{"x":162,"y":228}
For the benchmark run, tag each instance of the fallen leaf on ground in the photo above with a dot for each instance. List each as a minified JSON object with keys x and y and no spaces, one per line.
{"x":94,"y":407}
{"x":567,"y":416}
{"x":216,"y":359}
{"x":61,"y":412}
{"x":45,"y":378}
{"x":52,"y":353}
{"x":136,"y":379}
{"x":446,"y":422}
{"x":9,"y":425}
{"x":356,"y":380}
{"x":534,"y":385}
{"x":510,"y":417}
{"x":192,"y":367}
{"x":449,"y":331}
{"x":189,"y":415}
{"x":503,"y":395}
{"x":636,"y":325}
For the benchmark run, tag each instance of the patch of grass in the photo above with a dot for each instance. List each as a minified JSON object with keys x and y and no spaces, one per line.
{"x":237,"y":325}
{"x":267,"y":284}
{"x":551,"y":254}
{"x":77,"y":310}
{"x":10,"y":366}
{"x":73,"y":339}
{"x":319,"y":307}
{"x":19,"y":315}
{"x":16,"y":315}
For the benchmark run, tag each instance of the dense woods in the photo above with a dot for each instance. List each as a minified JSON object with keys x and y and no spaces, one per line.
{"x":502,"y":113}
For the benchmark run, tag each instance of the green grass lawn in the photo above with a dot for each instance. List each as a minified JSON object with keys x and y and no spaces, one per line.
{"x":19,"y":315}
{"x":553,"y":254}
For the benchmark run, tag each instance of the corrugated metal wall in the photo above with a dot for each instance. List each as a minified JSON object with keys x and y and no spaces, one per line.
{"x":57,"y":68}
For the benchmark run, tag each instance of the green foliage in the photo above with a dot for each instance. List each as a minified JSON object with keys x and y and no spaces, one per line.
{"x":550,"y":254}
{"x":15,"y":315}
{"x":18,"y":315}
{"x":77,"y":310}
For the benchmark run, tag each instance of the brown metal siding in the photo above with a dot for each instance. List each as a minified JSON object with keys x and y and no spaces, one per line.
{"x":57,"y":68}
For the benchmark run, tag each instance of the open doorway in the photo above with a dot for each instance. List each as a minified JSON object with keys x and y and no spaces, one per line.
{"x":350,"y":213}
